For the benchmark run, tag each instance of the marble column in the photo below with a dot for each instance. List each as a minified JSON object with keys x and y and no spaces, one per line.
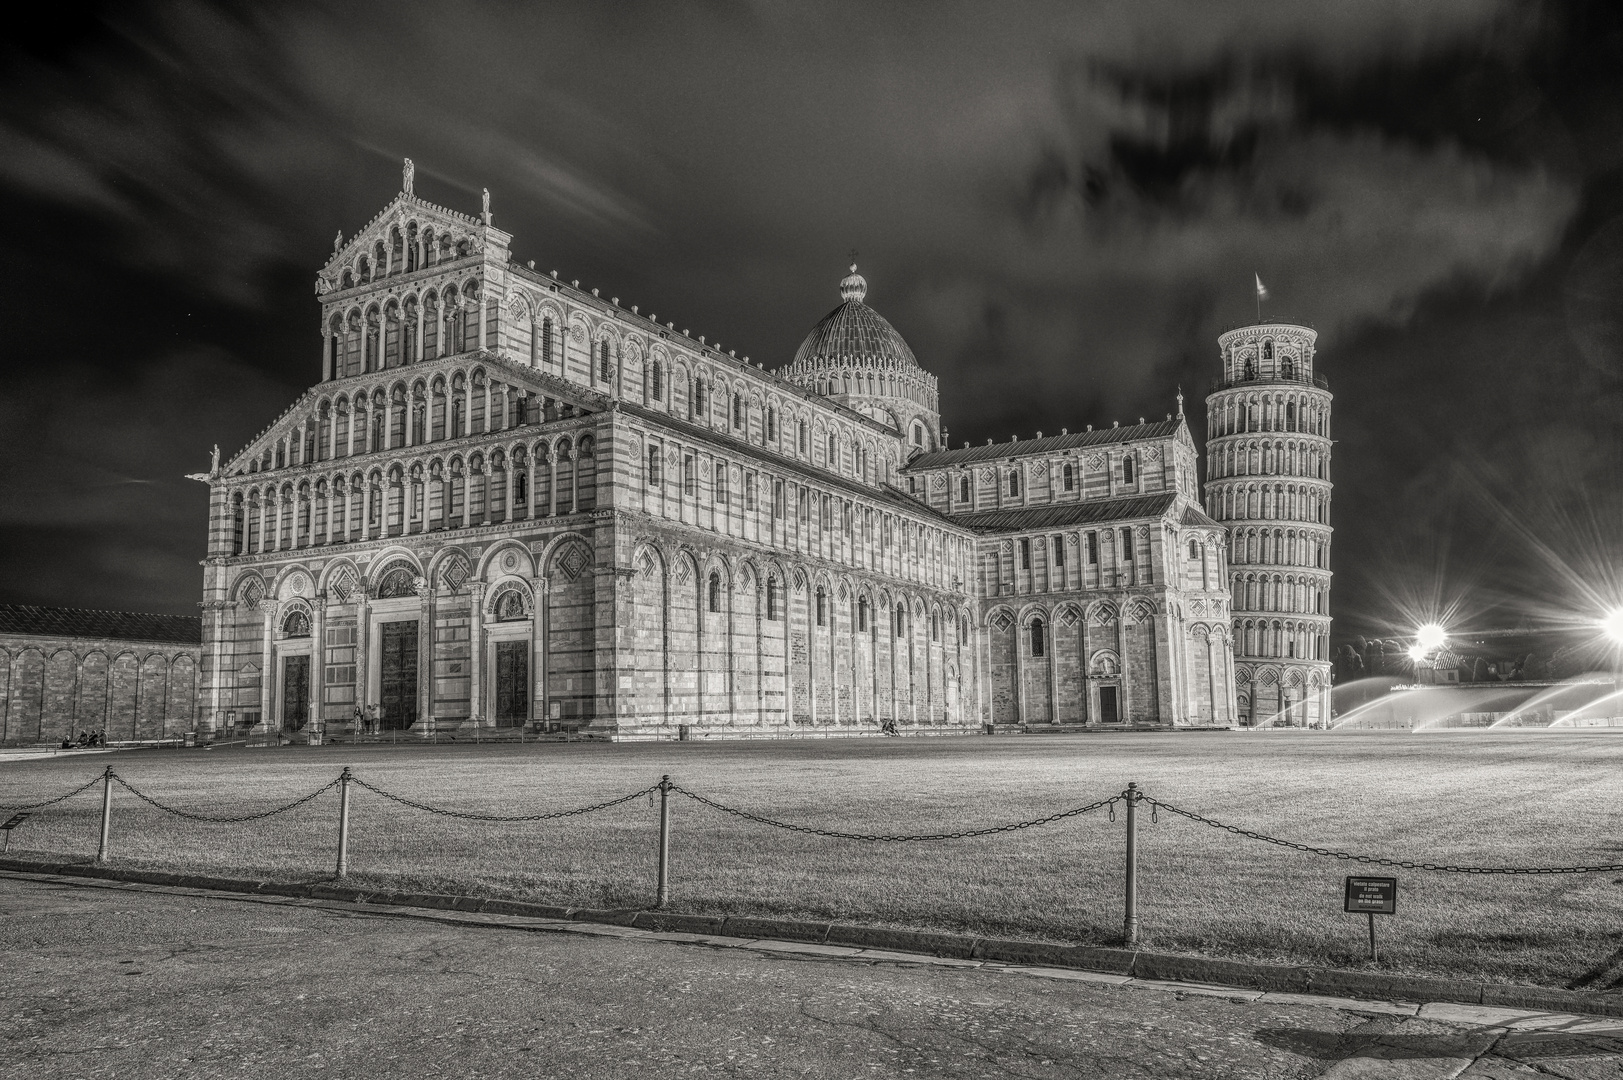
{"x":318,"y":659}
{"x":363,"y":649}
{"x":476,"y":647}
{"x":267,"y":673}
{"x":538,"y":648}
{"x":425,"y":655}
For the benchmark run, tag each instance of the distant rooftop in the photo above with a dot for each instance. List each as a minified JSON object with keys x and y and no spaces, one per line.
{"x":120,"y":625}
{"x":1160,"y":429}
{"x":1062,"y":515}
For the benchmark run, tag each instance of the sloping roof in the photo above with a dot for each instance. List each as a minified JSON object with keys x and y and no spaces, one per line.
{"x":1065,"y":514}
{"x":1194,"y":515}
{"x":1160,"y":429}
{"x":882,"y":493}
{"x":120,"y":625}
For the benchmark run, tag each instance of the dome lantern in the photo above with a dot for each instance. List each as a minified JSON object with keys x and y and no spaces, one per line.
{"x":853,"y":286}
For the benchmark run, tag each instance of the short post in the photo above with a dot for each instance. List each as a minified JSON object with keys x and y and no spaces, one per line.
{"x":1373,"y":955}
{"x":106,"y":813}
{"x":1130,"y":915}
{"x":343,"y":823}
{"x":663,"y":895}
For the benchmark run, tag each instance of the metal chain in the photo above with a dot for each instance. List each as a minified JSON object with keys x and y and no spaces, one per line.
{"x":223,"y":819}
{"x":472,"y":816}
{"x":895,"y":838}
{"x":1375,"y":860}
{"x":59,"y":798}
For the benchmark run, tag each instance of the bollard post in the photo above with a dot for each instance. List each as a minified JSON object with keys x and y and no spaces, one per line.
{"x":663,"y":895}
{"x":343,"y":823}
{"x":106,"y":813}
{"x":1130,"y":916}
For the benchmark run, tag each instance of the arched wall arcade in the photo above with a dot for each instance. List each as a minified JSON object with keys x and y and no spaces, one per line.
{"x":410,"y":494}
{"x":53,"y":689}
{"x":1281,"y":695}
{"x":707,"y":637}
{"x":735,"y":639}
{"x":1106,"y":662}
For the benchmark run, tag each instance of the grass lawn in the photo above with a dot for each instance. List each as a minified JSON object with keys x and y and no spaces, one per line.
{"x":1507,"y":798}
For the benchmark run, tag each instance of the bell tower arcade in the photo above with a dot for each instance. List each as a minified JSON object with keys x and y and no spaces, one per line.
{"x":1268,"y":480}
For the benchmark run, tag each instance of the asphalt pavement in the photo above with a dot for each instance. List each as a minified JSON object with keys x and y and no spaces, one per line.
{"x":106,"y":979}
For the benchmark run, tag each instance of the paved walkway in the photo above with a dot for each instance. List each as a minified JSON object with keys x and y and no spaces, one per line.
{"x":33,"y":753}
{"x":104,"y":979}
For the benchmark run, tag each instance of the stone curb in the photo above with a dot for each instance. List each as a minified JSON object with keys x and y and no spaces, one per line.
{"x":1164,"y":967}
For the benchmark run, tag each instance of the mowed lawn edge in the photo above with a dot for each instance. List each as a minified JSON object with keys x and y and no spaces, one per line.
{"x":1530,"y":799}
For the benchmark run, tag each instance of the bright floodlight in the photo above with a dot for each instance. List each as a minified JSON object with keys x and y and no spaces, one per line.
{"x":1613,"y":625}
{"x":1416,"y":653}
{"x":1429,"y":637}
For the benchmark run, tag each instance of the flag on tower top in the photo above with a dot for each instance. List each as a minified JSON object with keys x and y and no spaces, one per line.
{"x":1262,"y":290}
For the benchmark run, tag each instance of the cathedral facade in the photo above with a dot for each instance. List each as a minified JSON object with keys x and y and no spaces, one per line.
{"x":513,"y":502}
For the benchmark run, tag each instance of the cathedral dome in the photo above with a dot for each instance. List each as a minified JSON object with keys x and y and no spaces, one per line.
{"x":856,"y":357}
{"x":853,"y":334}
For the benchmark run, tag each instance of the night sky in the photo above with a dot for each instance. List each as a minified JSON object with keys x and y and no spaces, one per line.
{"x":1058,"y":205}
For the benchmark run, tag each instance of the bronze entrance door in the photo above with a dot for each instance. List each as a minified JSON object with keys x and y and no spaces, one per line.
{"x":397,"y":696}
{"x":512,"y":682}
{"x":295,"y":692}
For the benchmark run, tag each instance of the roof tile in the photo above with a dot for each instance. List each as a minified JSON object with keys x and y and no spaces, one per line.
{"x":1054,"y":516}
{"x":119,"y":625}
{"x":1161,"y":429}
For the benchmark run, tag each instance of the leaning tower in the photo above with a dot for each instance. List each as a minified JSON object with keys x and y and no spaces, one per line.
{"x":1268,"y":480}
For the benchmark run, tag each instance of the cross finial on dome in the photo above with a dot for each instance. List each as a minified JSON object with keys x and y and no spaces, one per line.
{"x":853,"y":286}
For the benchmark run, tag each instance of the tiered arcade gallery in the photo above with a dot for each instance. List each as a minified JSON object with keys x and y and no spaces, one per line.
{"x":1268,"y":478}
{"x":514,"y":502}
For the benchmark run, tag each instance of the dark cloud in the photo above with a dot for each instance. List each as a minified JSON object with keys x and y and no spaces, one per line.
{"x":1059,"y":205}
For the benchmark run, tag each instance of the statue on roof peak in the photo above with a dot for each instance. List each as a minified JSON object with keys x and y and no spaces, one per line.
{"x":338,"y":242}
{"x":486,"y":207}
{"x":408,"y":172}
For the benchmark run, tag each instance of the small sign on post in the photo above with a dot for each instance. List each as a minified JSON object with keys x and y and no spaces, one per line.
{"x":1373,"y":896}
{"x":14,"y":821}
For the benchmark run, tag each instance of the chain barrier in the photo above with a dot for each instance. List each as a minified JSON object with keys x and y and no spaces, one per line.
{"x":1376,"y":860}
{"x":1108,"y":804}
{"x":222,"y":819}
{"x":469,"y":815}
{"x":49,"y":802}
{"x":897,"y":837}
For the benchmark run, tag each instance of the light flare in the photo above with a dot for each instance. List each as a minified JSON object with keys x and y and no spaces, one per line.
{"x":1429,"y":637}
